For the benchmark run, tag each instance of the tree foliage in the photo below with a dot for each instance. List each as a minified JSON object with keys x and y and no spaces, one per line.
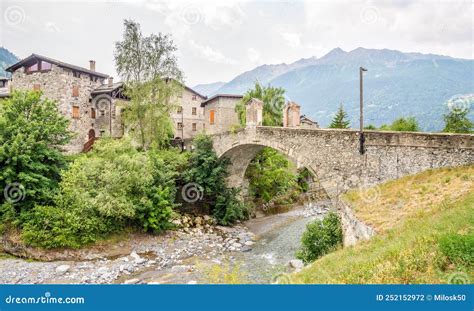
{"x":271,"y":175}
{"x":340,"y":120}
{"x":32,"y":132}
{"x":148,"y":66}
{"x":273,"y":101}
{"x":456,"y":121}
{"x":209,"y":172}
{"x":409,"y":124}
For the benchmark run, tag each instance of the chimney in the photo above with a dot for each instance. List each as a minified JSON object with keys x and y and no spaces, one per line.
{"x":111,"y":81}
{"x":92,"y":65}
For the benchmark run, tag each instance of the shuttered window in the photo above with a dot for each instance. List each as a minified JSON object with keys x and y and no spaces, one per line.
{"x":194,"y":111}
{"x":75,"y":112}
{"x":194,"y":127}
{"x":92,"y":113}
{"x":75,"y":91}
{"x":211,"y":116}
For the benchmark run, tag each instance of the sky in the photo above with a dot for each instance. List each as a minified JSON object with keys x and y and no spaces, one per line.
{"x":217,"y":40}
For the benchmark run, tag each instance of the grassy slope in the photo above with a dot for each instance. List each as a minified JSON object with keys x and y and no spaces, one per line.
{"x":410,"y":215}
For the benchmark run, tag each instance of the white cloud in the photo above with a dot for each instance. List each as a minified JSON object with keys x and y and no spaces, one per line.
{"x":292,"y":39}
{"x":210,"y":54}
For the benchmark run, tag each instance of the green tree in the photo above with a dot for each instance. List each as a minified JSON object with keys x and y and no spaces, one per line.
{"x":209,"y":173}
{"x":273,"y":101}
{"x":340,"y":119}
{"x":456,"y":121}
{"x":405,"y":125}
{"x":149,"y":68}
{"x":32,"y":132}
{"x":270,"y":175}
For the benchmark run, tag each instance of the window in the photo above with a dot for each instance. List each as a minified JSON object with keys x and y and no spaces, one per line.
{"x":32,"y":68}
{"x":75,"y":91}
{"x":113,"y":113}
{"x":36,"y":87}
{"x":75,"y":112}
{"x":93,"y":113}
{"x":194,"y":97}
{"x":211,"y":116}
{"x":76,"y":74}
{"x":194,"y":111}
{"x":180,"y":109}
{"x":180,"y":125}
{"x":45,"y":66}
{"x":194,"y":127}
{"x":102,"y":113}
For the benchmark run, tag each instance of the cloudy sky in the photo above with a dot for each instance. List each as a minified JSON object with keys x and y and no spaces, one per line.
{"x":219,"y":39}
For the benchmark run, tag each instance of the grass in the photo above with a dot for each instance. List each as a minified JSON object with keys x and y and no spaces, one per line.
{"x":436,"y":204}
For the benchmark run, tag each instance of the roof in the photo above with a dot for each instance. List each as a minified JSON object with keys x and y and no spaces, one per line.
{"x":4,"y":79}
{"x":307,"y":119}
{"x":56,"y":62}
{"x":187,"y":88}
{"x":219,"y":96}
{"x":105,"y":88}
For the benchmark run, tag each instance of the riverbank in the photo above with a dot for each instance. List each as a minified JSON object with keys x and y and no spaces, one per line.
{"x":253,"y":252}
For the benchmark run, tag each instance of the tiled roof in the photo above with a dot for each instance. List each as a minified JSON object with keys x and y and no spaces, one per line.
{"x":105,"y":88}
{"x":219,"y":96}
{"x":56,"y":62}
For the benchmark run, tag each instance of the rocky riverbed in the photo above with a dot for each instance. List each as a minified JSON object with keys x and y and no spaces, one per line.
{"x":260,"y":248}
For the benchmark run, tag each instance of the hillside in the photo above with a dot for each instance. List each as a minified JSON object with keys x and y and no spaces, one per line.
{"x":425,"y":226}
{"x":7,"y":59}
{"x":206,"y":89}
{"x":397,"y":84}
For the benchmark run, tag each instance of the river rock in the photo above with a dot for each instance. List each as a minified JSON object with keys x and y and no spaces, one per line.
{"x":249,"y":243}
{"x":181,"y":268}
{"x":102,"y":270}
{"x":62,"y":269}
{"x":192,"y":282}
{"x":296,"y":263}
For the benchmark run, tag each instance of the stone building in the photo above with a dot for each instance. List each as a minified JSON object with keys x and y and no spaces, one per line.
{"x":4,"y":87}
{"x":188,"y":119}
{"x":219,"y":113}
{"x":306,"y":122}
{"x":291,"y":115}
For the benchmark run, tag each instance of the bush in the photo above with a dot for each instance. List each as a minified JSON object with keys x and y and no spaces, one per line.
{"x":458,"y":249}
{"x":209,"y":172}
{"x":320,"y":238}
{"x":104,"y":191}
{"x":32,"y":132}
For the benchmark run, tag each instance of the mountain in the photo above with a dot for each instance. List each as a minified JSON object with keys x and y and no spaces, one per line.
{"x":396,"y":84}
{"x":7,"y":59}
{"x":207,"y":89}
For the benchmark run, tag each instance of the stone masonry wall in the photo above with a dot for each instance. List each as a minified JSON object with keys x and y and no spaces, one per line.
{"x":187,"y":103}
{"x":225,"y":116}
{"x":57,"y":84}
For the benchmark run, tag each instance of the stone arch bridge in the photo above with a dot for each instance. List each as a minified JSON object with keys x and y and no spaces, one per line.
{"x":333,"y":157}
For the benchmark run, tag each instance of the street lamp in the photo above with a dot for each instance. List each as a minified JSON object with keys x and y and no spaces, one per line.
{"x":361,"y":130}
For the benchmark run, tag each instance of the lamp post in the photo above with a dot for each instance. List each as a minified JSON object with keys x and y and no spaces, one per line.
{"x":361,"y":130}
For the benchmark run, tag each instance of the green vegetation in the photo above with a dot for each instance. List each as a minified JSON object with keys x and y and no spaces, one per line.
{"x":209,"y":172}
{"x":402,"y":125}
{"x":456,"y":121}
{"x":273,"y":101}
{"x":340,"y":120}
{"x":271,"y":175}
{"x":320,"y":238}
{"x":430,"y":240}
{"x":149,"y":69}
{"x":32,"y":132}
{"x":105,"y":191}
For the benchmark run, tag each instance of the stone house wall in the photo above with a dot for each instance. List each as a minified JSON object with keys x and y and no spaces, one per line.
{"x":225,"y":117}
{"x":188,"y":100}
{"x":57,"y":84}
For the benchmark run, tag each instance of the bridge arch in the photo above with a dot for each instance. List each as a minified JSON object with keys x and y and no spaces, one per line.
{"x":333,"y":157}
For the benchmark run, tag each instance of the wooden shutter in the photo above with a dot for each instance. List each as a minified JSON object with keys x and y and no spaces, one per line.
{"x":93,"y":113}
{"x":211,"y":116}
{"x":194,"y":127}
{"x":75,"y":112}
{"x":75,"y":91}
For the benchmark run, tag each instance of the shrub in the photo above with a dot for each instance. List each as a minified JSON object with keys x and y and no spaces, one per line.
{"x":458,"y":249}
{"x":320,"y":237}
{"x":32,"y":132}
{"x":209,"y":172}
{"x":104,"y":191}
